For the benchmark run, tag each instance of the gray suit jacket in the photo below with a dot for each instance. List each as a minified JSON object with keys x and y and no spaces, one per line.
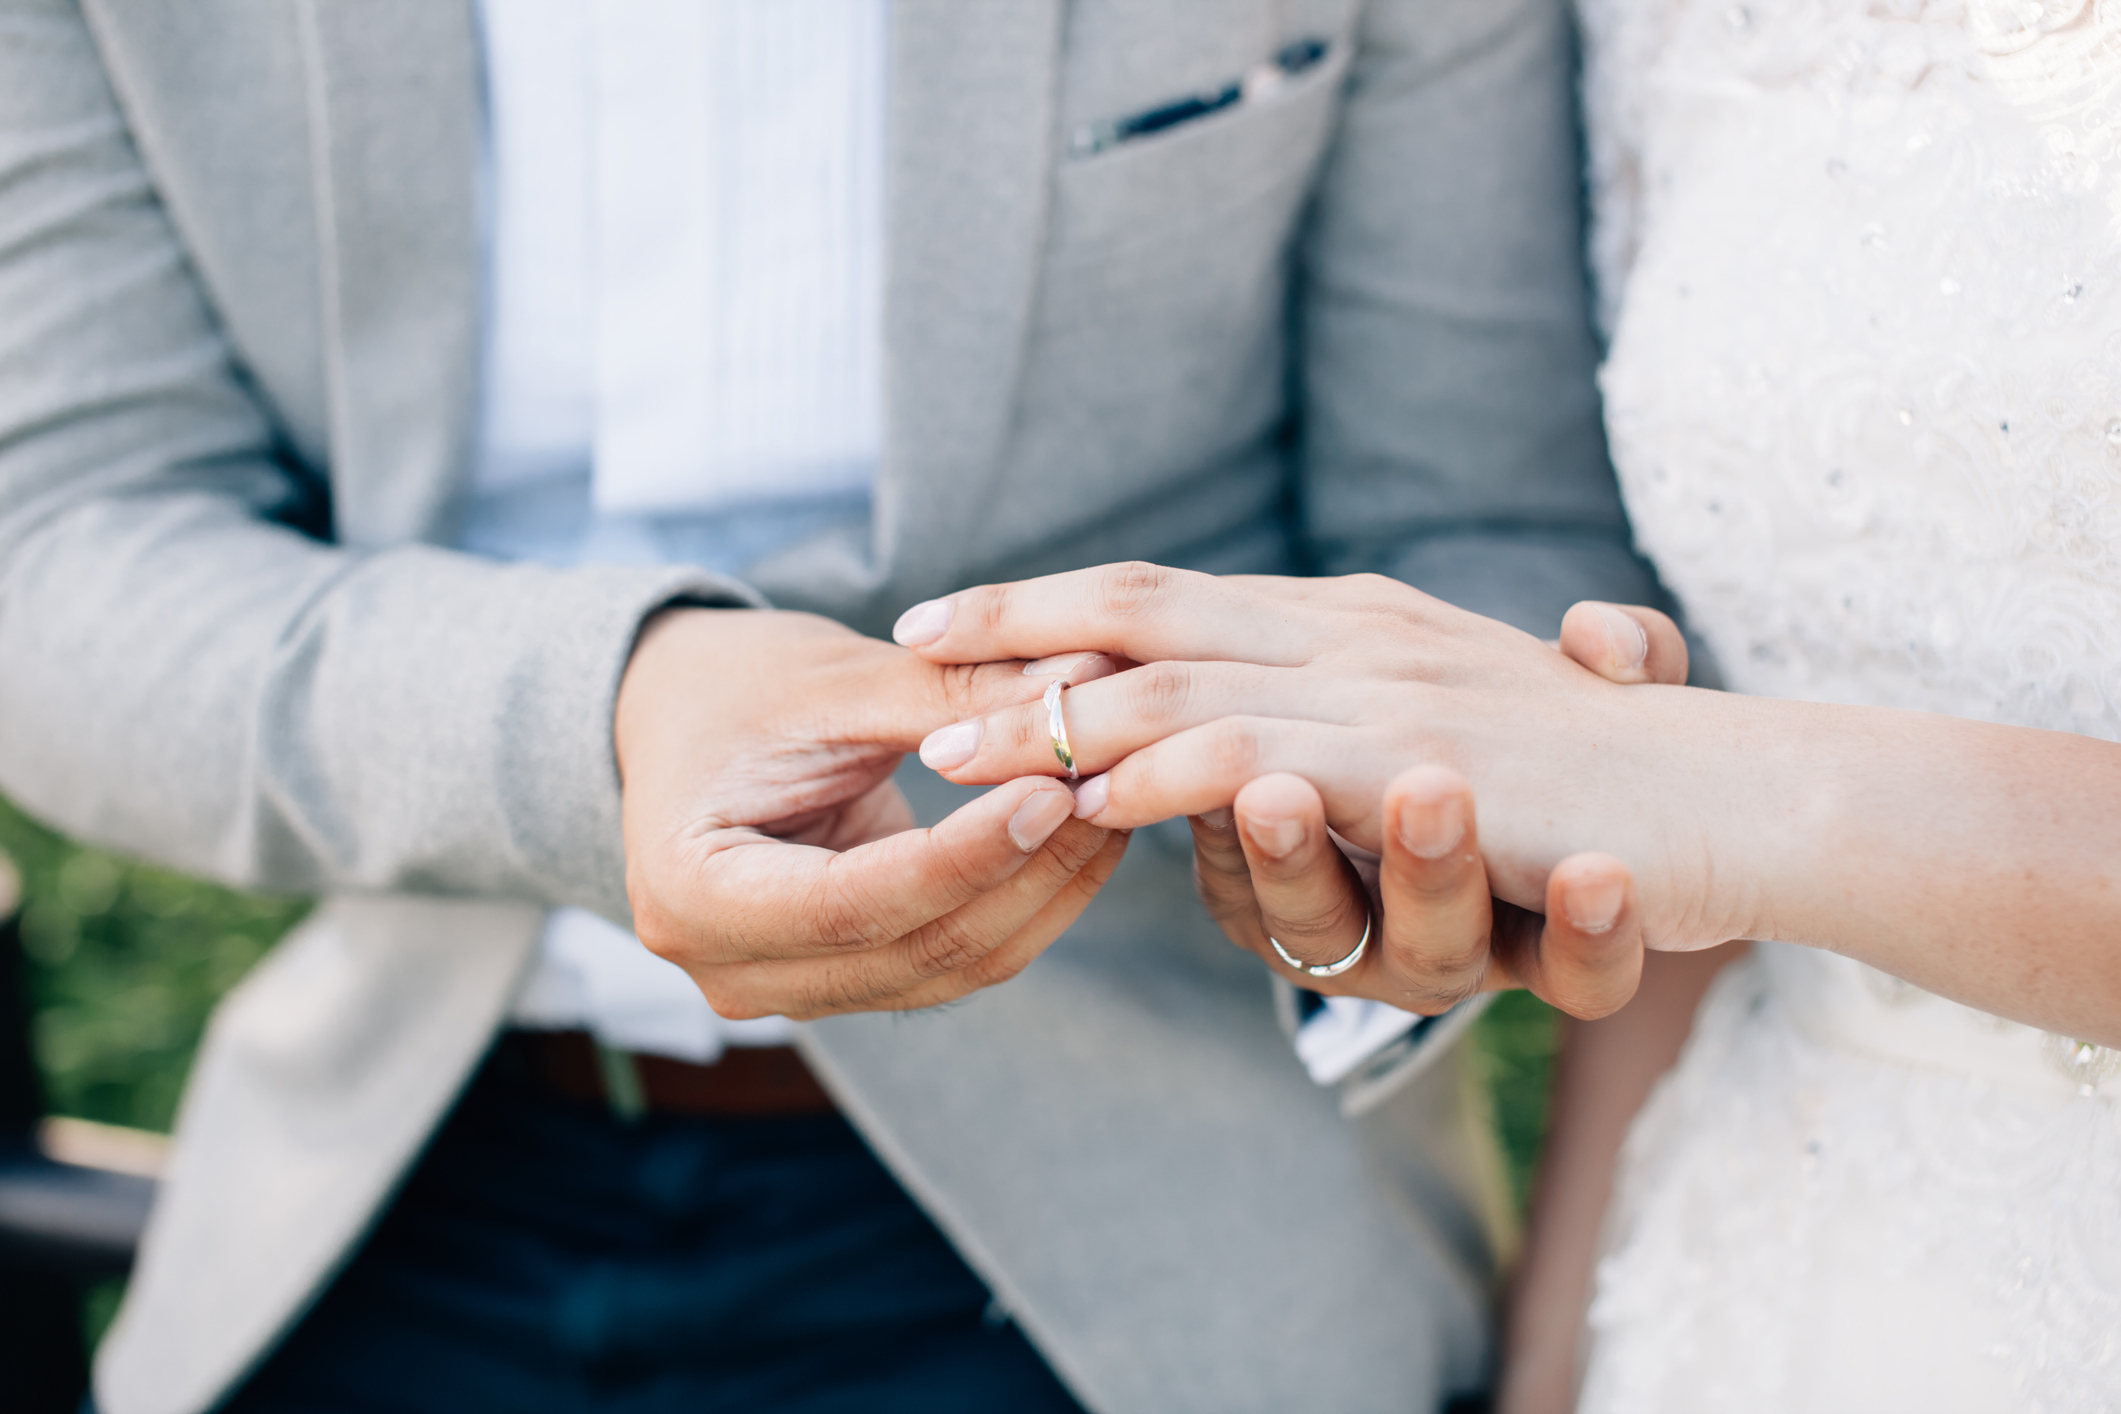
{"x":239,"y":305}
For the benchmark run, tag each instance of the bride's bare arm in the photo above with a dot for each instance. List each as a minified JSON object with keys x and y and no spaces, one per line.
{"x":1602,"y":1075}
{"x":1981,"y":862}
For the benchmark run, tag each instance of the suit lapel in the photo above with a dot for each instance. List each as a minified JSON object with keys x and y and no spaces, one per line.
{"x":394,"y":114}
{"x":971,"y":132}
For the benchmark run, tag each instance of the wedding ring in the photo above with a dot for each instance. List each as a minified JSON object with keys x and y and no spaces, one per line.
{"x":1326,"y":969}
{"x":1057,"y":728}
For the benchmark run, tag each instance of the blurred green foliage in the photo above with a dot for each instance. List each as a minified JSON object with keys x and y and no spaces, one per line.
{"x":126,"y":961}
{"x":1514,"y":1044}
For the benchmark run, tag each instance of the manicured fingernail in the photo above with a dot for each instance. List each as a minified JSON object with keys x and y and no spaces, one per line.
{"x":1216,"y":819}
{"x":1092,"y":796}
{"x":1631,"y":646}
{"x":1037,"y":818}
{"x":1592,"y":907}
{"x":922,"y":624}
{"x":1059,"y":663}
{"x":948,"y":748}
{"x":1431,"y":829}
{"x":1278,"y":839}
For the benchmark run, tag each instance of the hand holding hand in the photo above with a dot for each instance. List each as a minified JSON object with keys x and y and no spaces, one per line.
{"x":1357,"y":675}
{"x":770,"y":855}
{"x":1268,"y":868}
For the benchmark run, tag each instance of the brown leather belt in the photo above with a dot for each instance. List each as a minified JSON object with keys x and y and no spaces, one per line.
{"x":746,"y":1083}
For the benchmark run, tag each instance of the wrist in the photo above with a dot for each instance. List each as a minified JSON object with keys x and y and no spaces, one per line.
{"x":669,"y":641}
{"x":1766,"y":806}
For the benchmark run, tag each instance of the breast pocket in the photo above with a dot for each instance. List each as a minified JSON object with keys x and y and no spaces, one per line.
{"x":1157,"y":348}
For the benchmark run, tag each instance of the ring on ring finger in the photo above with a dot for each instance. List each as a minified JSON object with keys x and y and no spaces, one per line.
{"x":1057,"y":727}
{"x":1326,"y":969}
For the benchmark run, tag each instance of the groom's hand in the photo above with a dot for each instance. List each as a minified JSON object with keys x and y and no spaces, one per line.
{"x":768,"y":852}
{"x":1267,"y":868}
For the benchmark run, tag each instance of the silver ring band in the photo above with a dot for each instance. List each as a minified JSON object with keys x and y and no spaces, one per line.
{"x":1057,"y":727}
{"x":1326,"y":969}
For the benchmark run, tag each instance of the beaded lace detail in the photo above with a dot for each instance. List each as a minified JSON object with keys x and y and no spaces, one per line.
{"x":1860,"y":267}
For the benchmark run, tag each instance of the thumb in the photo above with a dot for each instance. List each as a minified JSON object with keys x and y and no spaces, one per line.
{"x":1625,"y":643}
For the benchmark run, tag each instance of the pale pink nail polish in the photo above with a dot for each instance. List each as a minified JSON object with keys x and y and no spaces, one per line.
{"x":948,"y":748}
{"x":1594,"y":907}
{"x":1432,"y":829}
{"x":922,"y":624}
{"x":1057,"y":665}
{"x":1037,"y":818}
{"x":1092,"y":796}
{"x":1216,"y":819}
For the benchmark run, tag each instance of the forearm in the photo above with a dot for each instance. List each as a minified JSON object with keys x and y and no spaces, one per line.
{"x":1977,"y":861}
{"x":1604,"y":1072}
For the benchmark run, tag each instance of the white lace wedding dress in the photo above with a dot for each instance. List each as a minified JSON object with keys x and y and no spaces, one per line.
{"x":1861,"y":267}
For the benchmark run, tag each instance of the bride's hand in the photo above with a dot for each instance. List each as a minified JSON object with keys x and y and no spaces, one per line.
{"x":1347,"y":683}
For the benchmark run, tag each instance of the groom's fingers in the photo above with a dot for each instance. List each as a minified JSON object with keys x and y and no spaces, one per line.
{"x":736,"y":896}
{"x":1589,"y":956}
{"x":1307,"y":894}
{"x":1438,"y":915}
{"x":1139,"y":610}
{"x":985,"y":941}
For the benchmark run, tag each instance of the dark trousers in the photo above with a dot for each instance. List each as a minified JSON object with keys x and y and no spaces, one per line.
{"x":546,"y":1257}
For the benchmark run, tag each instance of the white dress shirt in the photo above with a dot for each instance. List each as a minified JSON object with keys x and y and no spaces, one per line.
{"x":684,"y":245}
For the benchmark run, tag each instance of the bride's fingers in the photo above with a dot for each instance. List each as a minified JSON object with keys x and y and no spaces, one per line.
{"x":1203,"y":768}
{"x":1433,"y":951}
{"x":1113,"y":716}
{"x":1625,"y":643}
{"x":1588,"y":961}
{"x":1140,"y":610}
{"x":1308,"y":896}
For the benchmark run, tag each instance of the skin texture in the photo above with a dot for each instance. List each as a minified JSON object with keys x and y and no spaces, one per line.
{"x":1977,"y":861}
{"x":770,"y":855}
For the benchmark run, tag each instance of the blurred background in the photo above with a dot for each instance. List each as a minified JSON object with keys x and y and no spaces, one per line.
{"x":114,"y":967}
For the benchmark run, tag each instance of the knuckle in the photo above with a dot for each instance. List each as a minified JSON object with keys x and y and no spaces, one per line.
{"x":1027,"y":731}
{"x":1224,"y":898}
{"x":1232,"y":748}
{"x":1072,"y":846}
{"x":958,"y":685}
{"x":1157,"y":694}
{"x":986,"y":607}
{"x":947,"y":945}
{"x":832,"y":991}
{"x":1324,"y":922}
{"x":730,"y":999}
{"x":1133,"y":590}
{"x":1002,"y":969}
{"x":848,"y":912}
{"x":1428,"y":997}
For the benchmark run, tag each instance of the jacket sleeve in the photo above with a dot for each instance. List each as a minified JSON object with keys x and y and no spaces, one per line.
{"x":1450,"y":431}
{"x":186,"y":675}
